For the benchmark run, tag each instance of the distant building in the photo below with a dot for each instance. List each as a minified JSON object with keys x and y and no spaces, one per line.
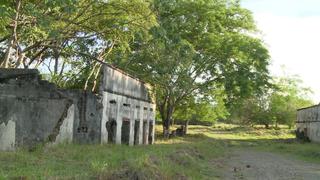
{"x":35,"y":111}
{"x":308,"y":123}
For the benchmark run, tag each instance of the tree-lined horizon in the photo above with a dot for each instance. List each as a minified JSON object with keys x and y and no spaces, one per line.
{"x":203,"y":57}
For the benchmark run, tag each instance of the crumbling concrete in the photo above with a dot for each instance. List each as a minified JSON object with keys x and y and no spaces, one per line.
{"x":37,"y":108}
{"x":7,"y":135}
{"x":35,"y":111}
{"x":308,"y":123}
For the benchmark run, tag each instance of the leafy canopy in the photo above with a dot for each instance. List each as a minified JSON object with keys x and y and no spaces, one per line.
{"x":199,"y":47}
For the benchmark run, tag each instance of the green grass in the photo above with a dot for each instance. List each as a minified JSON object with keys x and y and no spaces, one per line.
{"x":174,"y":159}
{"x":190,"y":157}
{"x":280,"y":141}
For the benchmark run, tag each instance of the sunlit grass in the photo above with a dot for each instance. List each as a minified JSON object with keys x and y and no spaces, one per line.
{"x":229,"y":131}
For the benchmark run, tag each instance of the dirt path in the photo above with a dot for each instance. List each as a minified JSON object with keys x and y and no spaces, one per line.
{"x":255,"y":165}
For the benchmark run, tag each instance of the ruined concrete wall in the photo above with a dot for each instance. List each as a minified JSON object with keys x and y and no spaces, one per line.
{"x":308,"y":122}
{"x":87,"y":118}
{"x":34,"y":111}
{"x":35,"y":107}
{"x":128,"y":115}
{"x":7,"y":135}
{"x":66,"y":129}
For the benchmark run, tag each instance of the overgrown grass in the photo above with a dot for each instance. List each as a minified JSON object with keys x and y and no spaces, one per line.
{"x":190,"y":157}
{"x":179,"y":158}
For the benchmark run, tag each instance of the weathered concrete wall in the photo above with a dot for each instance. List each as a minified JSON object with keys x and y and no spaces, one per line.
{"x":42,"y":113}
{"x":66,"y":129}
{"x":87,"y":119}
{"x":35,"y":111}
{"x":308,"y":122}
{"x":36,"y":107}
{"x":128,"y":109}
{"x":7,"y":136}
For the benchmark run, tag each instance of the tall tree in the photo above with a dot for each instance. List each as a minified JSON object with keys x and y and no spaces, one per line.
{"x":66,"y":35}
{"x":199,"y":46}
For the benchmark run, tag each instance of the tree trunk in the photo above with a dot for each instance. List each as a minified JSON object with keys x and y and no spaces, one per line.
{"x":166,"y":128}
{"x":13,"y":40}
{"x":6,"y":60}
{"x":166,"y":112}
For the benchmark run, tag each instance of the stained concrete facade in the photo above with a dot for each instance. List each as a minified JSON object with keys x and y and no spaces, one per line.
{"x":34,"y":111}
{"x":128,"y":112}
{"x":308,"y":123}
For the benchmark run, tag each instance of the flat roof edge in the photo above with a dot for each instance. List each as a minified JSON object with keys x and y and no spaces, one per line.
{"x":308,"y":107}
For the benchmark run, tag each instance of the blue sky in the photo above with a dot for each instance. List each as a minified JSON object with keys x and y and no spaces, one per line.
{"x":291,"y":31}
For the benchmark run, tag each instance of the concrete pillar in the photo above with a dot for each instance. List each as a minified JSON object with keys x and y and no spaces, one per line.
{"x":148,"y":122}
{"x":119,"y":118}
{"x":104,"y":118}
{"x":153,"y":121}
{"x":141,"y":104}
{"x":132,"y":121}
{"x":146,"y":116}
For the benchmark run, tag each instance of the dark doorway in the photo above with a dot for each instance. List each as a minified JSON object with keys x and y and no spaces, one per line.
{"x":145,"y":133}
{"x":305,"y":132}
{"x":125,"y":131}
{"x":150,"y":132}
{"x":136,"y":131}
{"x":111,"y":127}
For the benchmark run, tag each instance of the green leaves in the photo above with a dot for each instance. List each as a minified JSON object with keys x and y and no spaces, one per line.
{"x":277,"y":105}
{"x":198,"y":47}
{"x":72,"y":33}
{"x":6,"y":11}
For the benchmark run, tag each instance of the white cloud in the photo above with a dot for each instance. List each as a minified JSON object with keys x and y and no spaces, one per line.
{"x":293,"y":42}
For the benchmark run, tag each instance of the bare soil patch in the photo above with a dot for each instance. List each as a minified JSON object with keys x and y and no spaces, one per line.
{"x":256,"y":165}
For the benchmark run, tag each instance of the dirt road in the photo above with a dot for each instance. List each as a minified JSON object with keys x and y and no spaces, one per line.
{"x":255,"y":165}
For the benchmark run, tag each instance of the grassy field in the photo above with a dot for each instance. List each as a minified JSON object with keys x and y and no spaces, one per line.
{"x":190,"y":157}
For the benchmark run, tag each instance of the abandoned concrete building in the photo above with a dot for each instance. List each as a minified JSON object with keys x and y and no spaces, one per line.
{"x":35,"y":111}
{"x":308,"y":123}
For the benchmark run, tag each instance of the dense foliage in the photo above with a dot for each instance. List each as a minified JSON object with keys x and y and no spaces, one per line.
{"x":200,"y":47}
{"x":68,"y":38}
{"x":201,"y":56}
{"x":278,"y":106}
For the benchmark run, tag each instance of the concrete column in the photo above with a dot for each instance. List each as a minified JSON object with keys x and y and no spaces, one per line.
{"x":153,"y":120}
{"x":141,"y":104}
{"x":104,"y":118}
{"x":148,"y":122}
{"x":119,"y":118}
{"x":132,"y":121}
